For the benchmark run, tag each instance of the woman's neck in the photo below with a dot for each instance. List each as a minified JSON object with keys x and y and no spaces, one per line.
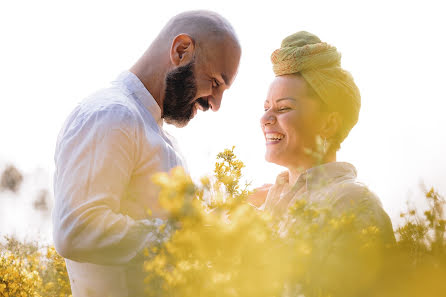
{"x":296,"y":171}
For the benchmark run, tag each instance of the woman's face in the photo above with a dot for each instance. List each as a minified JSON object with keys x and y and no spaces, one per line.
{"x":291,"y":122}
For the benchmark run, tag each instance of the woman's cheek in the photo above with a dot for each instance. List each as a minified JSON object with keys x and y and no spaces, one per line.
{"x":292,"y":124}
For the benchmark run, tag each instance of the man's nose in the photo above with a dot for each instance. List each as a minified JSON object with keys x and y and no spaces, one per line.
{"x":215,"y":102}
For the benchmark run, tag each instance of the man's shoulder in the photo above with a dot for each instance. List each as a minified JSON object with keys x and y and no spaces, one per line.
{"x":105,"y":109}
{"x":111,"y":102}
{"x":112,"y":98}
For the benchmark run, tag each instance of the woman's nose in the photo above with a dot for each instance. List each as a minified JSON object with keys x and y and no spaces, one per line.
{"x":267,"y":119}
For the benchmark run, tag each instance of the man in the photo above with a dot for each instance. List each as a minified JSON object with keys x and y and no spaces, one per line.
{"x":113,"y":142}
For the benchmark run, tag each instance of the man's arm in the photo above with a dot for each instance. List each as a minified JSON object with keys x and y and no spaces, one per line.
{"x":95,"y":157}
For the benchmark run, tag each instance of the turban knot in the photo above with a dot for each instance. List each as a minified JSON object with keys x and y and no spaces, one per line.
{"x":320,"y":65}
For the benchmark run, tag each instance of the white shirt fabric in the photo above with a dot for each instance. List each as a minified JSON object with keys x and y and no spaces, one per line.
{"x":107,"y":151}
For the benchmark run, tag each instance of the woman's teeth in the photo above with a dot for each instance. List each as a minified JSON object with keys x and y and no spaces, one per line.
{"x":274,"y":136}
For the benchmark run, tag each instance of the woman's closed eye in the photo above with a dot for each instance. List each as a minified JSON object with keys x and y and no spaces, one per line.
{"x":280,"y":109}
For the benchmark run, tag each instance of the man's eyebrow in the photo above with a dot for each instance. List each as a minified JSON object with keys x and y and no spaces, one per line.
{"x":225,"y":79}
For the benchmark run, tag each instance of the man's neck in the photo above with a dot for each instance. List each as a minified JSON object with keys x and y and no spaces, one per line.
{"x":151,"y":73}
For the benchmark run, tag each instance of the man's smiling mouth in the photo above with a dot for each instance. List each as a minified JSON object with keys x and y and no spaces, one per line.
{"x":202,"y":104}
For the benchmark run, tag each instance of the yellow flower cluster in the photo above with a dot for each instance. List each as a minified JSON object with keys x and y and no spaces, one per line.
{"x":213,"y":253}
{"x":220,"y":247}
{"x":15,"y":277}
{"x":228,"y":172}
{"x":26,"y":272}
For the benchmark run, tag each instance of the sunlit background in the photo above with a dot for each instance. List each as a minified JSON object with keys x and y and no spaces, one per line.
{"x":55,"y":53}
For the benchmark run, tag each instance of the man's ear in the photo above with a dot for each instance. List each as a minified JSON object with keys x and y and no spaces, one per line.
{"x":182,"y":50}
{"x":331,"y":125}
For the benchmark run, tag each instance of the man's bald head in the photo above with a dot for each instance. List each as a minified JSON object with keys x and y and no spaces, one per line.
{"x":203,"y":26}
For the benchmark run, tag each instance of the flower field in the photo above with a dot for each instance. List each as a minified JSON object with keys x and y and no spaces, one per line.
{"x":220,"y":246}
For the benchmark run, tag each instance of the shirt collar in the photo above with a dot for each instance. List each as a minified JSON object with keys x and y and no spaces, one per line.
{"x":319,"y":176}
{"x":134,"y":86}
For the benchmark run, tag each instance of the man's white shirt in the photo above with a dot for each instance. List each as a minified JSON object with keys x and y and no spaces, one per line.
{"x":107,"y":151}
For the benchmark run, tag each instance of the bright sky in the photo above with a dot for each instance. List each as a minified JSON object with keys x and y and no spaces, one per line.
{"x":55,"y":53}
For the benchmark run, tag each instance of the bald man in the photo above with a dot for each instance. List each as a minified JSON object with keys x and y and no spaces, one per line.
{"x":113,"y":142}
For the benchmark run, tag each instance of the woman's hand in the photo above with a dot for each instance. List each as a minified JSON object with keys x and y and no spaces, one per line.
{"x":258,"y":197}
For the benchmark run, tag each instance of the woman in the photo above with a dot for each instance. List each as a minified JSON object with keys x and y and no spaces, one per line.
{"x":311,"y":106}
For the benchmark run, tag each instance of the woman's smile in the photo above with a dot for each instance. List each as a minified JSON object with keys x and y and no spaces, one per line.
{"x":273,"y":137}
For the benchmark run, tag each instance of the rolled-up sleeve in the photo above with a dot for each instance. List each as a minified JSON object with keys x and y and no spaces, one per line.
{"x":95,"y":156}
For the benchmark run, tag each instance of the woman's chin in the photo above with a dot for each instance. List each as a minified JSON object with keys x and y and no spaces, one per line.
{"x":273,"y":158}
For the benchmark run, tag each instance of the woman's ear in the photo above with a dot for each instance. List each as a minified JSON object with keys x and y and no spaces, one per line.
{"x":331,"y":125}
{"x":182,"y":50}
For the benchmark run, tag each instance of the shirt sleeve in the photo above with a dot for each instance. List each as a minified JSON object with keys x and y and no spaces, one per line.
{"x":95,"y":157}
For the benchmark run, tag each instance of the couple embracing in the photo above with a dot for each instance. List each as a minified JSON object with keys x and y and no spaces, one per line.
{"x":113,"y":142}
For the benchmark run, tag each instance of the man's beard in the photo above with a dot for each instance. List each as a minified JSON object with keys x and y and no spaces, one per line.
{"x":181,"y":89}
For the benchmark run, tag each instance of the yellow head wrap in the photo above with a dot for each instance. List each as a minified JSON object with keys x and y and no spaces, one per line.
{"x":320,"y":65}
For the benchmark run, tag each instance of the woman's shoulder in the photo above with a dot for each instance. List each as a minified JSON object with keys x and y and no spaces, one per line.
{"x":352,"y":193}
{"x":356,"y":198}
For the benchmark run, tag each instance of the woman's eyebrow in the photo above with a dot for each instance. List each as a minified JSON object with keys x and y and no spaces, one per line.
{"x":285,"y":98}
{"x":280,"y":99}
